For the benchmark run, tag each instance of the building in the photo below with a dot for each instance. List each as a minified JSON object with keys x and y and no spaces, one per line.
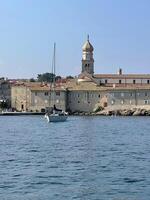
{"x":37,"y":97}
{"x":87,"y":57}
{"x":86,"y":91}
{"x":106,"y":89}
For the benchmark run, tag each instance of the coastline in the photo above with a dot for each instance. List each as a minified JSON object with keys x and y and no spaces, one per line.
{"x":117,"y":111}
{"x":109,"y":111}
{"x":20,"y":113}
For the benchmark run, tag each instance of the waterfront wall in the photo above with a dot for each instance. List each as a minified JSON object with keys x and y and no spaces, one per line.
{"x":128,"y":97}
{"x":25,"y":98}
{"x":41,"y":100}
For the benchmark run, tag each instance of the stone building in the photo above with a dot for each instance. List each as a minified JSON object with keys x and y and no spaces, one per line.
{"x":86,"y":91}
{"x":83,"y":96}
{"x":37,"y":97}
{"x":106,"y":89}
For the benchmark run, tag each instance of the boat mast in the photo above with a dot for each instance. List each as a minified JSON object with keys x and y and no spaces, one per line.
{"x":54,"y":71}
{"x":54,"y":64}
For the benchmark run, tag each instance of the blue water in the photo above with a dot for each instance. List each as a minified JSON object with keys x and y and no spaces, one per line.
{"x":85,"y":158}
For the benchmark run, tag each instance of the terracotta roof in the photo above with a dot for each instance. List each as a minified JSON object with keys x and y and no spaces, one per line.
{"x":37,"y":86}
{"x":74,"y":85}
{"x":81,"y":86}
{"x":47,"y":88}
{"x":91,"y":86}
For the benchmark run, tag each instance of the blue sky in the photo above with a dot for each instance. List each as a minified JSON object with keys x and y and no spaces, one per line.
{"x":119,"y":31}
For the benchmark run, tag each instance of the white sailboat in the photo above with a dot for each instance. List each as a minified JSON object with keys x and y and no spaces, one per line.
{"x":55,"y":115}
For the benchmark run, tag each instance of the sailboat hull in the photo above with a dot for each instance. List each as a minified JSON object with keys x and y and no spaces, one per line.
{"x":56,"y":118}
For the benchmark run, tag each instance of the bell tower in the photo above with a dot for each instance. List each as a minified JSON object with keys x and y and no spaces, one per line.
{"x":87,"y":57}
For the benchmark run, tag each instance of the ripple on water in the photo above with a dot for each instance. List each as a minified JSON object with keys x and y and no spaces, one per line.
{"x":133,"y":180}
{"x":86,"y":158}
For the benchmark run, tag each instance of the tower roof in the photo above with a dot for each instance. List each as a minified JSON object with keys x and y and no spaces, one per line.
{"x":87,"y":45}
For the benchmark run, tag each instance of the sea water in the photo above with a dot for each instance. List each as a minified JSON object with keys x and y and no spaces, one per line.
{"x":84,"y":158}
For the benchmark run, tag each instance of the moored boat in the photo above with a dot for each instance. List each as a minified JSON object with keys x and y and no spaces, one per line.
{"x":55,"y":114}
{"x":56,"y":117}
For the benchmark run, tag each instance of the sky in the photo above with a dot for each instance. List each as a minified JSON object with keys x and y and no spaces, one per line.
{"x":119,"y":31}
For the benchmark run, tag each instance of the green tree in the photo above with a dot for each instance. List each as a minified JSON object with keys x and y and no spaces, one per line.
{"x":46,"y":77}
{"x":57,"y":78}
{"x":32,"y":80}
{"x":69,"y":77}
{"x":3,"y":104}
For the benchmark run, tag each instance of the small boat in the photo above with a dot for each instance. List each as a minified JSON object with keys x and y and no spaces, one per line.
{"x":55,"y":114}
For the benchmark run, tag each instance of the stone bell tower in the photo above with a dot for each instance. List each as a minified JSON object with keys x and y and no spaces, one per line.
{"x":87,"y":57}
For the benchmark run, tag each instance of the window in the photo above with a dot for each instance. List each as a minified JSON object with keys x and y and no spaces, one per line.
{"x":145,"y":94}
{"x":99,"y":95}
{"x":133,"y":81}
{"x":78,"y":95}
{"x":35,"y":93}
{"x":106,"y":81}
{"x":122,"y":94}
{"x":57,"y":93}
{"x":146,"y":102}
{"x":119,"y":81}
{"x":46,"y":93}
{"x":147,"y":81}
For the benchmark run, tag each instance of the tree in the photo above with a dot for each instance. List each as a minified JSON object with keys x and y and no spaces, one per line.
{"x":32,"y":80}
{"x":57,"y":78}
{"x":46,"y":77}
{"x":69,"y":77}
{"x":3,"y":104}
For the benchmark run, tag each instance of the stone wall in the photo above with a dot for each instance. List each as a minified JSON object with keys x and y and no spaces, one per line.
{"x":41,"y":100}
{"x":128,"y":97}
{"x":83,"y":100}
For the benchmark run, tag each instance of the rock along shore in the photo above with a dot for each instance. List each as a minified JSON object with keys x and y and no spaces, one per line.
{"x":116,"y":112}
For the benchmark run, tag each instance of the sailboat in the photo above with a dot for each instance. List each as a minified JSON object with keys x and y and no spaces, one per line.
{"x":54,"y":114}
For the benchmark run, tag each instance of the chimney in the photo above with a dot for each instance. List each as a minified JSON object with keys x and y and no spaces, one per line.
{"x":120,"y":71}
